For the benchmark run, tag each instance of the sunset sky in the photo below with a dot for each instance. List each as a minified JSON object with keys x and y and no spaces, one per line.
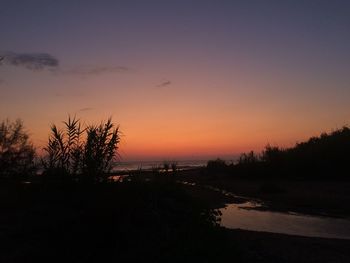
{"x":184,"y":79}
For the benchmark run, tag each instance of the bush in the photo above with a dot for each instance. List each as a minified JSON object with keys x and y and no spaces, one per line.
{"x":77,"y":151}
{"x":248,"y":158}
{"x":218,"y":165}
{"x":64,"y":149}
{"x":100,"y":149}
{"x":16,"y":151}
{"x":174,"y":167}
{"x":166,"y":166}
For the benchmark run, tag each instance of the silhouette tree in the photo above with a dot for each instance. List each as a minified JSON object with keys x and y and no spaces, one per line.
{"x":16,"y":151}
{"x":248,"y":158}
{"x":271,"y":154}
{"x":324,"y":156}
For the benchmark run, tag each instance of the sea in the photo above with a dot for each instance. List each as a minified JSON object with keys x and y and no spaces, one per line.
{"x":150,"y":165}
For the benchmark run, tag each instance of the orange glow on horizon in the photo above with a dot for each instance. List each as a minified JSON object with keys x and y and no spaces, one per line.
{"x":188,"y":139}
{"x":197,"y":114}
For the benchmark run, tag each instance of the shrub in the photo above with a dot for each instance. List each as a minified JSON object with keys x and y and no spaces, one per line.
{"x":217,"y":165}
{"x":16,"y":151}
{"x":248,"y":158}
{"x":88,"y":152}
{"x":166,"y":166}
{"x":174,"y":167}
{"x":100,"y":149}
{"x":64,"y":149}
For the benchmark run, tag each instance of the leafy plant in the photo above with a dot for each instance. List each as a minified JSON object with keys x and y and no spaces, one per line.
{"x":16,"y":151}
{"x":89,"y":152}
{"x":100,"y":149}
{"x":64,"y":148}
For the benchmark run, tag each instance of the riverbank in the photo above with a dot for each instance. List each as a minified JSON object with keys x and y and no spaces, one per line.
{"x":157,"y":220}
{"x":254,"y":246}
{"x":314,"y":197}
{"x":270,"y":247}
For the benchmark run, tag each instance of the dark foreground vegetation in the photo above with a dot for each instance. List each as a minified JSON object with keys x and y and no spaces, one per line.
{"x":74,"y":211}
{"x":129,"y":221}
{"x":136,"y":221}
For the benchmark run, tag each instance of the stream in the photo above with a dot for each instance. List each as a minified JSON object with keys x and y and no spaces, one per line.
{"x":247,"y":214}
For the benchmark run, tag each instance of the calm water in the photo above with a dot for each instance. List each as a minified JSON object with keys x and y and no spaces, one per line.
{"x":149,"y":165}
{"x":243,"y":216}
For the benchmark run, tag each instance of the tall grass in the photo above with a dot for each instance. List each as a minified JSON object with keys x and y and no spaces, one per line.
{"x":84,"y":152}
{"x":100,"y":149}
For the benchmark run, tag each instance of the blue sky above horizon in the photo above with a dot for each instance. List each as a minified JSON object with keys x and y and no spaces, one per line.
{"x":192,"y":78}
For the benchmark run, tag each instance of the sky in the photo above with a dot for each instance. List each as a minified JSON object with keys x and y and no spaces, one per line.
{"x":183,"y":79}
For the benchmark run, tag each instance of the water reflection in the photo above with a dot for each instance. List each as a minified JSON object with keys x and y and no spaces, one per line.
{"x":243,"y":216}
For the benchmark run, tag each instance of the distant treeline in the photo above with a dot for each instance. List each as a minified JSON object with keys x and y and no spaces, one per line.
{"x":87,"y":153}
{"x":325,"y":156}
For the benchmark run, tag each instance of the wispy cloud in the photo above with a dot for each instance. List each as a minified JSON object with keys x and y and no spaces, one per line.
{"x":86,"y":109}
{"x":31,"y":61}
{"x":164,"y":84}
{"x":41,"y":61}
{"x":95,"y":70}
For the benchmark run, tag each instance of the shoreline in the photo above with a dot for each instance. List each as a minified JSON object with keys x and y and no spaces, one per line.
{"x":312,"y":197}
{"x":147,"y":213}
{"x":275,"y":247}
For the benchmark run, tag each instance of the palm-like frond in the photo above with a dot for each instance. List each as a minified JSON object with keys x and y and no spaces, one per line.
{"x":68,"y":151}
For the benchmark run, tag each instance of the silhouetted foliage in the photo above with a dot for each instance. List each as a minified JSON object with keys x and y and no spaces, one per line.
{"x":128,"y":222}
{"x":77,"y":151}
{"x":155,"y":169}
{"x":100,"y":149}
{"x":166,"y":166}
{"x":326,"y":156}
{"x":217,"y":165}
{"x":248,"y":158}
{"x":16,"y":152}
{"x":174,"y":167}
{"x":271,"y":154}
{"x":65,"y":149}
